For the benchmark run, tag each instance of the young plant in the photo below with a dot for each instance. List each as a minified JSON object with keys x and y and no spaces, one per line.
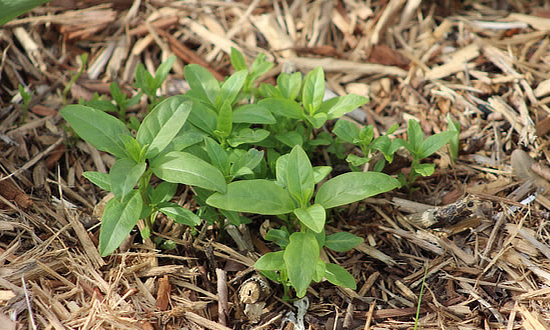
{"x":26,"y":101}
{"x":364,"y":139}
{"x":83,"y":61}
{"x":149,"y":84}
{"x":454,"y":141}
{"x":152,"y":151}
{"x":420,"y":149}
{"x":303,"y":237}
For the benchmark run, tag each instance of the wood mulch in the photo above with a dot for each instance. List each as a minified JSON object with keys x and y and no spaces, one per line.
{"x":484,"y":63}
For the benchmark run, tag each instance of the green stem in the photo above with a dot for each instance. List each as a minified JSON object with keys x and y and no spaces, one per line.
{"x":420,"y":297}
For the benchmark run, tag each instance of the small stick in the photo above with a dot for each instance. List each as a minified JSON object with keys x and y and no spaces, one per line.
{"x":222,"y":295}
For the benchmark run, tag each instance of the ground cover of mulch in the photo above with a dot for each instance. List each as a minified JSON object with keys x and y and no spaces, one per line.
{"x":485,"y":63}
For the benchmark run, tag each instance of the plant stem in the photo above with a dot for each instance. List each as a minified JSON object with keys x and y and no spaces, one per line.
{"x":420,"y":297}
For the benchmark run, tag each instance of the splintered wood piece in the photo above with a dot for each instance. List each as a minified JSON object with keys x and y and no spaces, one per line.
{"x":163,"y":293}
{"x":162,"y":23}
{"x":12,"y":193}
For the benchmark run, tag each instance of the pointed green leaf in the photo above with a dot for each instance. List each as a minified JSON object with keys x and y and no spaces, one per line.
{"x":342,"y":105}
{"x":270,"y":261}
{"x":237,"y":59}
{"x":354,"y":186}
{"x":218,"y":156}
{"x":183,"y":167}
{"x":163,"y":193}
{"x":434,"y":143}
{"x":415,"y":135}
{"x":162,"y":124}
{"x":253,"y":114}
{"x":202,"y":83}
{"x":313,"y":90}
{"x":203,"y":117}
{"x":313,"y":217}
{"x":102,"y":180}
{"x":289,"y":84}
{"x":346,"y":130}
{"x":254,"y":196}
{"x":300,"y":257}
{"x":283,"y":107}
{"x":117,"y":221}
{"x":180,"y":215}
{"x":290,"y":138}
{"x":247,"y":135}
{"x":232,"y":86}
{"x":320,"y":173}
{"x":163,"y":70}
{"x":124,"y":175}
{"x":225,"y":120}
{"x":342,"y":241}
{"x":98,"y":128}
{"x":337,"y":275}
{"x":299,"y":175}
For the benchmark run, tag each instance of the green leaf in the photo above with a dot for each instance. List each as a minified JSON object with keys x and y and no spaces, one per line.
{"x":102,"y":180}
{"x":290,"y":138}
{"x":144,"y":80}
{"x":11,"y":8}
{"x":117,"y":221}
{"x":163,"y":70}
{"x":424,"y":169}
{"x":101,"y":130}
{"x":162,"y":124}
{"x":280,"y":169}
{"x":353,"y":186}
{"x":300,"y":258}
{"x":313,"y":217}
{"x":251,"y":159}
{"x":232,"y":86}
{"x":202,"y":83}
{"x":320,"y":172}
{"x":342,"y":105}
{"x":124,"y":175}
{"x":183,"y":167}
{"x":270,"y":261}
{"x":299,"y":175}
{"x":237,"y":59}
{"x":283,"y":107}
{"x":254,"y":196}
{"x":247,"y":135}
{"x":365,"y":135}
{"x":203,"y":117}
{"x":415,"y":135}
{"x":342,"y":241}
{"x":317,"y":120}
{"x":289,"y":85}
{"x":434,"y":143}
{"x":133,"y":148}
{"x":253,"y":114}
{"x":180,"y":215}
{"x":218,"y":156}
{"x":163,"y":193}
{"x":259,"y":66}
{"x":225,"y":120}
{"x":320,"y":270}
{"x":356,"y":160}
{"x":313,"y":90}
{"x":346,"y":130}
{"x":337,"y":275}
{"x":454,"y":141}
{"x":278,"y":236}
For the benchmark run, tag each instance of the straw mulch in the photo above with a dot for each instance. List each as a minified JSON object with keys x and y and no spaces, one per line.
{"x":486,"y":63}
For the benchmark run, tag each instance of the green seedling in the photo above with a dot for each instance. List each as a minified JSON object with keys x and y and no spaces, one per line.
{"x":26,"y":101}
{"x":454,"y":141}
{"x":420,"y":149}
{"x":83,"y":61}
{"x":149,"y":84}
{"x":298,"y":264}
{"x":364,"y":139}
{"x":150,"y":152}
{"x":420,"y":298}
